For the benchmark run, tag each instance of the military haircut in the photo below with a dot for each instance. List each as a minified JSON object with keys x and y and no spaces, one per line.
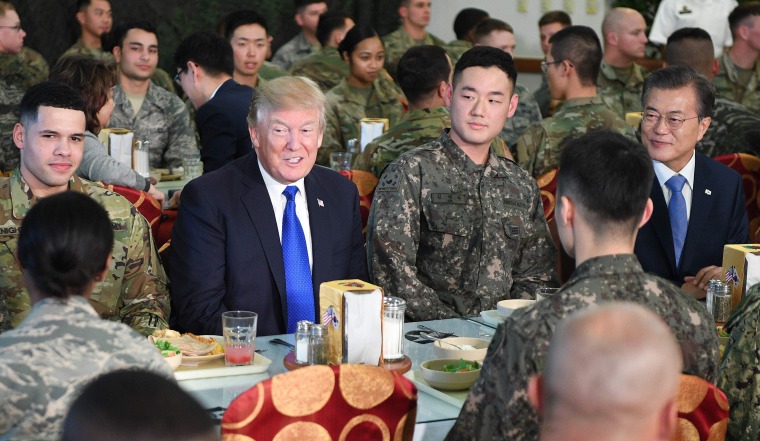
{"x":609,"y":176}
{"x":356,"y":35}
{"x":560,"y":17}
{"x":580,"y":45}
{"x":82,"y":5}
{"x":466,"y":20}
{"x":48,"y":94}
{"x":64,"y":243}
{"x":690,"y":47}
{"x":92,"y":78}
{"x":302,"y":4}
{"x":488,"y":25}
{"x":5,"y":7}
{"x":284,"y":93}
{"x":486,"y":56}
{"x":330,"y":22}
{"x":120,"y":32}
{"x":241,"y":18}
{"x":421,"y":70}
{"x":678,"y":77}
{"x":740,"y":14}
{"x":207,"y":49}
{"x":148,"y":407}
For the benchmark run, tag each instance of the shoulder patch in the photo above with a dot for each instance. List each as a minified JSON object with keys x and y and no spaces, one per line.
{"x":389,"y":181}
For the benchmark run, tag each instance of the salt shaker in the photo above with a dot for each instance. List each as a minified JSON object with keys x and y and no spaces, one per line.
{"x":303,"y":345}
{"x":318,"y":343}
{"x":393,"y":328}
{"x":141,"y":158}
{"x":721,"y":301}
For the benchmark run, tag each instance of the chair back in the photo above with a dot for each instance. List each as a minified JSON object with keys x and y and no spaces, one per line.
{"x":365,"y":183}
{"x":702,"y":411}
{"x":748,"y":166}
{"x":547,"y":184}
{"x":346,"y":402}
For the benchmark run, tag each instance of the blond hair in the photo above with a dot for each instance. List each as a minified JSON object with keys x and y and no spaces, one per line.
{"x":5,"y":7}
{"x":286,"y":93}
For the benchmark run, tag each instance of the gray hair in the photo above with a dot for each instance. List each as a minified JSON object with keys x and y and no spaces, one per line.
{"x":288,"y":92}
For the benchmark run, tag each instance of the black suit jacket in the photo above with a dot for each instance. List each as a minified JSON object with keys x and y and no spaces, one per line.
{"x":222,"y":125}
{"x":718,"y":217}
{"x":226,"y":252}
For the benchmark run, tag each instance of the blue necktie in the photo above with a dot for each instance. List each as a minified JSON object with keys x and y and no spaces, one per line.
{"x":677,"y":211}
{"x":295,"y":258}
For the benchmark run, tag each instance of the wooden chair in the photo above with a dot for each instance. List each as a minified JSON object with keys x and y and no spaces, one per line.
{"x":346,"y":402}
{"x":748,"y":166}
{"x":702,"y":411}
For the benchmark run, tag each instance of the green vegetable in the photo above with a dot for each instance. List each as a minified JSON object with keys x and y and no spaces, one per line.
{"x":462,"y":366}
{"x":166,"y":348}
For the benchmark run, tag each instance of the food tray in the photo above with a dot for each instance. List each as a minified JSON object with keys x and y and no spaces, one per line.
{"x":455,"y":398}
{"x":216,"y":368}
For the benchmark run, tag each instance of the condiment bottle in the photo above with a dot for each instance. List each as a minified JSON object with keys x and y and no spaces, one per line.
{"x":721,"y":301}
{"x":303,"y":345}
{"x":393,"y":328}
{"x":318,"y":344}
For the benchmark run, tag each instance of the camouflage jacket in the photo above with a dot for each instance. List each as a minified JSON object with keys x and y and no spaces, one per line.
{"x":499,"y":399}
{"x":738,"y":372}
{"x":346,"y":108}
{"x":621,"y":96}
{"x":398,"y":41}
{"x":527,"y":113}
{"x":163,"y":120}
{"x":24,"y":69}
{"x":452,"y":237}
{"x":727,"y":84}
{"x":733,"y":129}
{"x":539,"y":148}
{"x":58,"y":349}
{"x":543,"y":97}
{"x":456,"y":48}
{"x":325,"y":67}
{"x":10,"y":98}
{"x":295,"y":49}
{"x":270,"y":71}
{"x":417,"y":127}
{"x":134,"y":290}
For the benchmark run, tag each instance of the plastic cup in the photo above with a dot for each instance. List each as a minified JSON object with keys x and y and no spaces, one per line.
{"x":239,"y":328}
{"x":544,"y":293}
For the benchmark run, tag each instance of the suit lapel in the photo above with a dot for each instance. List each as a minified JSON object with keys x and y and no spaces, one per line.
{"x":660,"y":221}
{"x":318,"y":201}
{"x":259,"y":206}
{"x":702,"y":201}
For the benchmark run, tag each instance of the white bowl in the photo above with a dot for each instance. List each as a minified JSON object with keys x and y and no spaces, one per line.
{"x":432,"y":372}
{"x":505,"y":308}
{"x":442,"y":350}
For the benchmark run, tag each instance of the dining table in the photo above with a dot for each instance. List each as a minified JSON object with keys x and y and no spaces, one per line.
{"x":436,"y":411}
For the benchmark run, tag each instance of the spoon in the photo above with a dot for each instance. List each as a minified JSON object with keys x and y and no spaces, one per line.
{"x":430,"y":337}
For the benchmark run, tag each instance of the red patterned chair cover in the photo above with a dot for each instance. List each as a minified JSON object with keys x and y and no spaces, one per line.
{"x":145,"y":204}
{"x":749,"y":167}
{"x":702,"y":411}
{"x":365,"y":183}
{"x":547,"y":183}
{"x":348,"y":402}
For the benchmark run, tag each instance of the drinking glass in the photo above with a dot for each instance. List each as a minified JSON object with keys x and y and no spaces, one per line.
{"x":239,"y":328}
{"x":340,"y":161}
{"x":543,"y":293}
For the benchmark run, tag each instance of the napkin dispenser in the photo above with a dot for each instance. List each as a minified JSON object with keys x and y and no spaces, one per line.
{"x":352,"y":310}
{"x":121,"y":145}
{"x":371,"y":128}
{"x":741,"y":269}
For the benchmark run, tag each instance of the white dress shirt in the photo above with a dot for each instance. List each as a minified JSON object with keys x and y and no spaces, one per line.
{"x":279,"y":200}
{"x":664,"y":173}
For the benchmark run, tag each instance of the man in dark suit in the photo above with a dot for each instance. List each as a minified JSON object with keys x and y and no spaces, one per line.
{"x":204,"y":70}
{"x":226,"y":248}
{"x":698,"y":202}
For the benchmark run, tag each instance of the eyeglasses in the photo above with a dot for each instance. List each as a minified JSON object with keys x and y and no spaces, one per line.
{"x":651,"y":119}
{"x":15,"y":28}
{"x":545,"y":65}
{"x":176,"y":78}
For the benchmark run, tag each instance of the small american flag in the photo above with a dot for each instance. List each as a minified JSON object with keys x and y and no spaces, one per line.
{"x":732,"y":276}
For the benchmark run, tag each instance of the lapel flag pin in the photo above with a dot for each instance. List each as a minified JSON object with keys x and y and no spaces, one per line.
{"x":708,"y":192}
{"x":320,"y":203}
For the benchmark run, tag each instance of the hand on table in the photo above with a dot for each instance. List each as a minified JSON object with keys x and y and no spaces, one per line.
{"x":697,"y":285}
{"x":157,"y":194}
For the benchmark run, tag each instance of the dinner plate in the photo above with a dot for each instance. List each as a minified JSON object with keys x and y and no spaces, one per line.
{"x":492,"y":317}
{"x":205,"y":358}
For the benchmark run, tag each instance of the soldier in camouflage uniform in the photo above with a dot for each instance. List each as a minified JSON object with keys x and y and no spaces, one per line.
{"x":62,"y":344}
{"x":415,"y":16}
{"x":620,"y":79}
{"x":10,"y":98}
{"x":161,"y":118}
{"x":306,"y":42}
{"x":366,"y":93}
{"x":548,"y":25}
{"x":95,"y":18}
{"x":134,"y":290}
{"x":572,"y":77}
{"x":455,"y":228}
{"x":464,"y":25}
{"x":733,"y":129}
{"x":326,"y":67}
{"x":738,"y":77}
{"x":616,"y":174}
{"x":738,"y":371}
